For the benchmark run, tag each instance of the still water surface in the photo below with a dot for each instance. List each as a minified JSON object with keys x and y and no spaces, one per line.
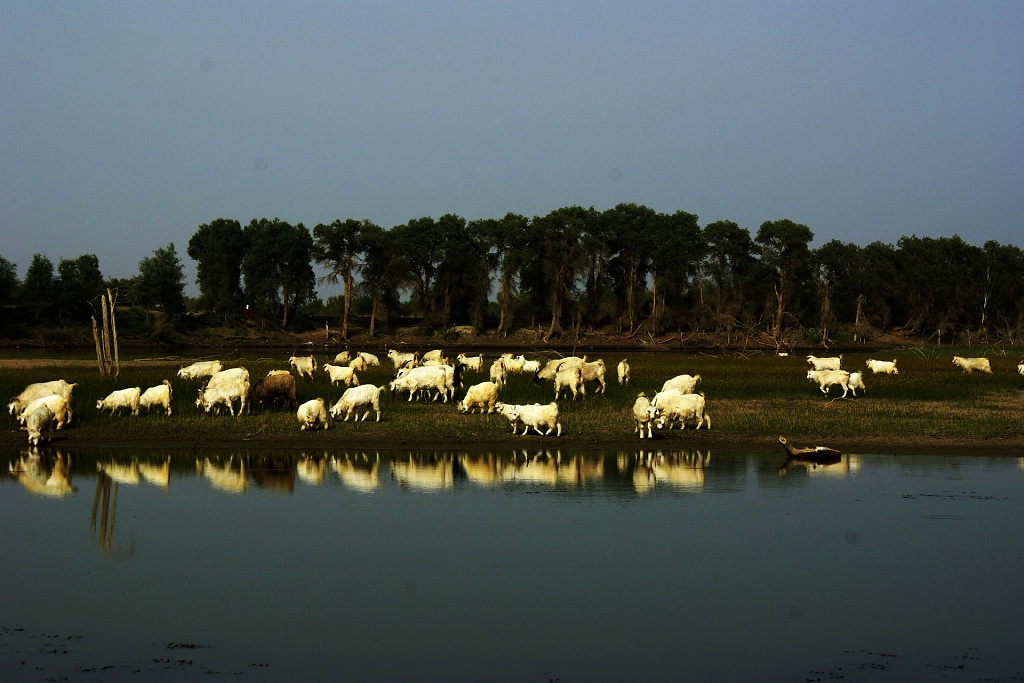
{"x":583,"y":566}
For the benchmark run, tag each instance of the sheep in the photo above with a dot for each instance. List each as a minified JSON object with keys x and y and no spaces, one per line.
{"x":1020,"y":367}
{"x":366,"y":396}
{"x":403,"y":360}
{"x":857,"y":382}
{"x":39,"y":423}
{"x":641,"y":417}
{"x":57,"y":404}
{"x":122,"y":398}
{"x":622,"y":371}
{"x":160,"y":395}
{"x":882,"y":366}
{"x":680,"y":409}
{"x":571,"y":379}
{"x":829,"y":378}
{"x":435,"y":355}
{"x":423,"y":379}
{"x":305,"y":366}
{"x":535,"y":415}
{"x":499,"y":371}
{"x":832,"y":363}
{"x":512,"y":364}
{"x":475,"y":363}
{"x":38,"y":390}
{"x":238,"y":374}
{"x":226,"y":392}
{"x":684,"y":384}
{"x":200,"y":369}
{"x":358,"y":364}
{"x":553,"y":366}
{"x":527,"y":365}
{"x":369,"y":358}
{"x":342,"y":373}
{"x":969,"y":365}
{"x":343,"y":358}
{"x":271,"y":388}
{"x":482,"y":395}
{"x":594,"y":372}
{"x":312,"y":414}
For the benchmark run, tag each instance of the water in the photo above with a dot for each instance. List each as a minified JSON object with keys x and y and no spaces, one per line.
{"x":467,"y":567}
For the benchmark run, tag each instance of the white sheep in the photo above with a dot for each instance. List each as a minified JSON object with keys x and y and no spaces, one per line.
{"x":312,"y":414}
{"x":305,"y":366}
{"x":39,"y":423}
{"x":482,"y":395}
{"x":572,"y":379}
{"x":832,"y":363}
{"x":684,"y":384}
{"x":622,"y":370}
{"x":857,"y":382}
{"x":122,"y":398}
{"x":971,"y":364}
{"x":641,"y":416}
{"x":57,"y":404}
{"x":160,"y":396}
{"x":885,"y":367}
{"x":475,"y":363}
{"x":680,"y":409}
{"x":830,"y":378}
{"x":366,"y":396}
{"x":536,"y":416}
{"x":342,"y":373}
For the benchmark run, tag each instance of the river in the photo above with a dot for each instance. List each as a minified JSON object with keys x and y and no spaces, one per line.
{"x":527,"y":566}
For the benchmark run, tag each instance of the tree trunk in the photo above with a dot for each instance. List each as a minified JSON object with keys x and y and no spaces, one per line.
{"x":348,"y":305}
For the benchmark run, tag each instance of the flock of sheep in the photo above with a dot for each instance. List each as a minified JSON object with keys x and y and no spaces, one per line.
{"x":45,"y":406}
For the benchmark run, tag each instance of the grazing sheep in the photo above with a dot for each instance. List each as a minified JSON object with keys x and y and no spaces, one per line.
{"x":122,"y":398}
{"x":366,"y":396}
{"x":535,"y":415}
{"x":475,"y":363}
{"x":641,"y":416}
{"x":622,"y":370}
{"x":684,"y":384}
{"x":200,"y":369}
{"x":39,"y":390}
{"x":342,"y":373}
{"x":312,"y":414}
{"x":498,"y":372}
{"x":571,"y":379}
{"x":885,"y":367}
{"x":680,"y":409}
{"x":39,"y":423}
{"x":57,"y":404}
{"x":305,"y":366}
{"x":830,"y":378}
{"x":159,"y":396}
{"x":969,"y":365}
{"x":832,"y":363}
{"x":857,"y":382}
{"x":482,"y":395}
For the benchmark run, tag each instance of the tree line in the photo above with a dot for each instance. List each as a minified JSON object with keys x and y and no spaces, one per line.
{"x":629,"y":268}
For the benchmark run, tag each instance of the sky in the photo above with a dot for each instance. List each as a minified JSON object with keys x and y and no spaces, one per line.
{"x":124,"y":126}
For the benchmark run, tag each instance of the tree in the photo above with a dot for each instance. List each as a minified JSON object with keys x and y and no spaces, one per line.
{"x":161,"y":281}
{"x":38,"y":288}
{"x":837,"y":266}
{"x":277,"y":266}
{"x":559,"y":253}
{"x":338,"y":246}
{"x":8,"y":281}
{"x":783,"y":247}
{"x":507,"y":253}
{"x":218,"y":248}
{"x":385,"y":272}
{"x":79,"y":282}
{"x":728,"y":261}
{"x":630,"y":230}
{"x":675,"y":264}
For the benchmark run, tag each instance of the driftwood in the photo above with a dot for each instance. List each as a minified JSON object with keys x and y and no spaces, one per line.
{"x":808,"y":455}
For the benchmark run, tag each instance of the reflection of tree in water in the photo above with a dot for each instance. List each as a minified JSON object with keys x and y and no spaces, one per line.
{"x":105,"y":500}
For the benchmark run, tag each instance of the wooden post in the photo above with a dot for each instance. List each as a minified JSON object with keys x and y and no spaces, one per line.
{"x":113,"y":334}
{"x":99,"y":346}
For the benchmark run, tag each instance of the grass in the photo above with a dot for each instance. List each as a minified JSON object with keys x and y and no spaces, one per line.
{"x":757,"y":395}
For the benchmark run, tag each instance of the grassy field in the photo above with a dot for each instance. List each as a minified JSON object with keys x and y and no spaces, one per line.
{"x":749,"y":397}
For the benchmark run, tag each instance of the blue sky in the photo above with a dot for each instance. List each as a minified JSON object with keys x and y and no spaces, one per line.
{"x":126,"y":125}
